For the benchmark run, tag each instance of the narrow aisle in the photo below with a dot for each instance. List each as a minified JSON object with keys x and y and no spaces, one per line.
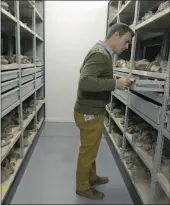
{"x":50,"y":175}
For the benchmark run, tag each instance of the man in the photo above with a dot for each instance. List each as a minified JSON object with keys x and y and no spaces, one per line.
{"x":94,"y":90}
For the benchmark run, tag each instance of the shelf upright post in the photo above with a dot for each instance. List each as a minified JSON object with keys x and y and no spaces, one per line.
{"x":114,"y":59}
{"x":0,"y":78}
{"x":118,"y":21}
{"x":34,"y":61}
{"x":44,"y":57}
{"x":154,"y":192}
{"x":110,"y":113}
{"x":125,"y":128}
{"x":18,"y":55}
{"x":107,"y":23}
{"x":119,"y":6}
{"x":134,"y":40}
{"x":165,"y":46}
{"x":137,"y":7}
{"x":10,"y":45}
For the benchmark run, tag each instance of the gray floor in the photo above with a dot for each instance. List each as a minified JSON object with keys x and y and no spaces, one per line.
{"x":50,"y":175}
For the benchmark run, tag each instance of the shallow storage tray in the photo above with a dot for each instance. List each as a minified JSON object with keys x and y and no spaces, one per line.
{"x":28,"y":71}
{"x":9,"y":85}
{"x":26,"y":79}
{"x":11,"y":66}
{"x":9,"y":98}
{"x":39,"y":81}
{"x":38,"y":69}
{"x":26,"y":88}
{"x":150,"y":110}
{"x":38,"y":74}
{"x":9,"y":75}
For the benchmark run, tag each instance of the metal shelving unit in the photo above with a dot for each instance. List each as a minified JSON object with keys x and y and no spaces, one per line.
{"x":22,"y":83}
{"x":149,"y":95}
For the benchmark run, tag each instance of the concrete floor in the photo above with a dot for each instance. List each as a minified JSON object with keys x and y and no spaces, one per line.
{"x":50,"y":175}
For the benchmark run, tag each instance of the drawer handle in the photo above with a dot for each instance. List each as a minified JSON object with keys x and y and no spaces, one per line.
{"x":8,"y":93}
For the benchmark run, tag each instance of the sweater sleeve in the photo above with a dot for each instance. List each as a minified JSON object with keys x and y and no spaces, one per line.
{"x":90,"y":80}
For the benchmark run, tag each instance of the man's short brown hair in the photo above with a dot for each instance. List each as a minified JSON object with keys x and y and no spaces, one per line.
{"x":120,"y":28}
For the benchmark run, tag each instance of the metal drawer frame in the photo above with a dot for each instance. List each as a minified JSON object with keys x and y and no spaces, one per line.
{"x":8,"y":94}
{"x":28,"y":71}
{"x":27,"y":85}
{"x":27,"y":78}
{"x":8,"y":83}
{"x":148,"y":86}
{"x":5,"y":75}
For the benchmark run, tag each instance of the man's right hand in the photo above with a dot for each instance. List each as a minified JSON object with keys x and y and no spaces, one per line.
{"x":124,"y":82}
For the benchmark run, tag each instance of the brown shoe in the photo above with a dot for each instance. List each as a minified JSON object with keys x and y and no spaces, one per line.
{"x":91,"y":193}
{"x":99,"y":180}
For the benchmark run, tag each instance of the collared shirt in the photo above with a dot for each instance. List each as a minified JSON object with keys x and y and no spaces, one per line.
{"x":111,"y":53}
{"x":106,"y":47}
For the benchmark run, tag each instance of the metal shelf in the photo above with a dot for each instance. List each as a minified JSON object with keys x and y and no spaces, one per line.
{"x":25,"y":29}
{"x":7,"y":149}
{"x":38,"y":15}
{"x":142,"y":188}
{"x":114,"y":20}
{"x":142,"y":154}
{"x":126,"y":13}
{"x":5,"y":187}
{"x":19,"y":32}
{"x":149,"y":74}
{"x":120,"y":95}
{"x":117,"y":121}
{"x":123,"y":70}
{"x":7,"y":16}
{"x":158,"y":20}
{"x":38,"y":37}
{"x":150,"y":88}
{"x":163,"y":181}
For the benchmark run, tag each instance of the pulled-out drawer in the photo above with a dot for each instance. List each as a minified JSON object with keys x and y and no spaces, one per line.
{"x":38,"y":74}
{"x":26,"y":88}
{"x":122,"y":94}
{"x":157,"y":97}
{"x":148,"y":85}
{"x":39,"y":81}
{"x":9,"y":75}
{"x":9,"y":98}
{"x":28,"y":71}
{"x":150,"y":110}
{"x":9,"y":85}
{"x":38,"y":69}
{"x":26,"y":79}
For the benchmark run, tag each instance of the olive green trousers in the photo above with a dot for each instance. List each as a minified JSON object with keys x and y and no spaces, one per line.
{"x":90,"y":136}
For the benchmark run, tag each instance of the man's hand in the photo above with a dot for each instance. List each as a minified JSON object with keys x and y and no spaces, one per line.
{"x":124,"y":82}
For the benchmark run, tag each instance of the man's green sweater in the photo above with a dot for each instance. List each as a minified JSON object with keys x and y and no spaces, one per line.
{"x":96,"y":81}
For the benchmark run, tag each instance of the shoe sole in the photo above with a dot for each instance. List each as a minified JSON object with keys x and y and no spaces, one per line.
{"x":80,"y":194}
{"x":93,"y":184}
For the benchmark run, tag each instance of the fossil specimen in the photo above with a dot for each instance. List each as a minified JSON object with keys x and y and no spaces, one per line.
{"x":121,"y":64}
{"x":6,"y":170}
{"x":4,"y":61}
{"x":163,"y":6}
{"x":142,"y":65}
